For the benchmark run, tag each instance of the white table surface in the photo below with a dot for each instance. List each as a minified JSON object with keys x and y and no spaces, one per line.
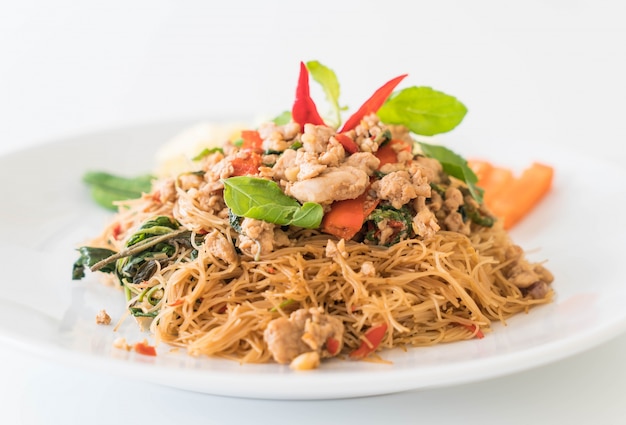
{"x":551,"y":71}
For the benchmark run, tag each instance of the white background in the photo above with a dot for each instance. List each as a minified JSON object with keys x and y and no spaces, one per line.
{"x":550,"y":72}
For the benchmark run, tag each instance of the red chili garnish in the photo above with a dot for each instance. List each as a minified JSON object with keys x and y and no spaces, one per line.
{"x":116,"y":231}
{"x":332,"y":345}
{"x":373,"y":104}
{"x":348,"y":144}
{"x":373,"y":337}
{"x":474,"y":329}
{"x":304,"y":110}
{"x":145,"y":349}
{"x":176,"y":303}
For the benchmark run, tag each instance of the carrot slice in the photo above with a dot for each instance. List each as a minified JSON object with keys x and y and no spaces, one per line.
{"x":495,"y":183}
{"x":346,"y":217}
{"x":387,"y":153}
{"x":481,"y":168}
{"x":523,"y":194}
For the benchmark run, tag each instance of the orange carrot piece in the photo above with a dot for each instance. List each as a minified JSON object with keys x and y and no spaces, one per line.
{"x":481,"y":168}
{"x":495,"y":183}
{"x":523,"y":194}
{"x":346,"y":217}
{"x":387,"y":153}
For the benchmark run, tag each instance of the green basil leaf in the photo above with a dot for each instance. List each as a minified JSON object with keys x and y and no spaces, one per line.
{"x":283,"y":118}
{"x":264,"y":200}
{"x":107,"y":188}
{"x":327,"y":78}
{"x":423,"y":110}
{"x":206,"y":152}
{"x":454,"y":165}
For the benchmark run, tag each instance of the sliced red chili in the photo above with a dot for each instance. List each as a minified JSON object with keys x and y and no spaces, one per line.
{"x":348,"y":144}
{"x":373,"y":104}
{"x":304,"y":110}
{"x":332,"y":345}
{"x":373,"y":337}
{"x":145,"y":349}
{"x":474,"y":329}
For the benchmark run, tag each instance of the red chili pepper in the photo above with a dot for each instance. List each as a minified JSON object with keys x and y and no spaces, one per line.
{"x":373,"y":338}
{"x":348,"y":144}
{"x":145,"y":349}
{"x":474,"y":329}
{"x":332,"y":345}
{"x":304,"y":110}
{"x":372,"y":104}
{"x":252,"y":140}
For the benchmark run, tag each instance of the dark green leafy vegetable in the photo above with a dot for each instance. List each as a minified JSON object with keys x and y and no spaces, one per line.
{"x":108,"y":188}
{"x":88,"y":257}
{"x":234,"y":221}
{"x":400,"y":220}
{"x":423,"y":110}
{"x":455,"y":166}
{"x":157,"y":226}
{"x":264,"y":200}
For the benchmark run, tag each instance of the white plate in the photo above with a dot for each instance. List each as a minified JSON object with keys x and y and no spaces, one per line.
{"x":47,"y":212}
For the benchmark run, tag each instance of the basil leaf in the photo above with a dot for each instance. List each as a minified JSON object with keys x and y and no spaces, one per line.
{"x":107,"y":188}
{"x":454,"y":165}
{"x":283,"y":118}
{"x":206,"y":152}
{"x":264,"y":200}
{"x":423,"y":110}
{"x":327,"y":78}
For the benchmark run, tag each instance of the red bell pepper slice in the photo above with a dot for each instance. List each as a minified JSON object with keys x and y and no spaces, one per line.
{"x":373,"y":338}
{"x":304,"y":110}
{"x":373,"y":104}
